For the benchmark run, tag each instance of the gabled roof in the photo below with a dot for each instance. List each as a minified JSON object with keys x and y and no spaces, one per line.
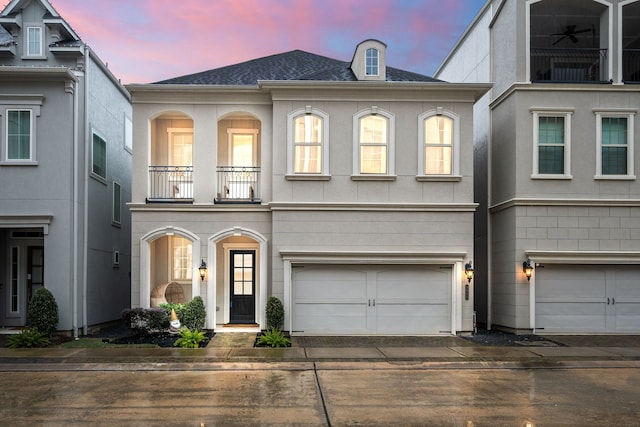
{"x":293,"y":65}
{"x":51,"y":16}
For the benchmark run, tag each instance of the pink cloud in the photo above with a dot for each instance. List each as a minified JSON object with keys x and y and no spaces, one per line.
{"x":150,"y":40}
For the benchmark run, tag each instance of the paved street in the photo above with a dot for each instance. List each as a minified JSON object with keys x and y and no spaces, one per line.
{"x":604,"y":393}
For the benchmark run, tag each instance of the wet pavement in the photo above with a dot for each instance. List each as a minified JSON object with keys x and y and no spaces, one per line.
{"x":329,"y":381}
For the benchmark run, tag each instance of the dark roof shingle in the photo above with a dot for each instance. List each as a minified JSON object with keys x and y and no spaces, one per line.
{"x":293,"y":65}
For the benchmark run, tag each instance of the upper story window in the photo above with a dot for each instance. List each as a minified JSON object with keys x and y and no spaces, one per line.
{"x":614,"y":139}
{"x":374,"y":143}
{"x":19,"y":138}
{"x":308,"y":147}
{"x":99,"y":157}
{"x":552,"y":144}
{"x":34,"y":42}
{"x":439,"y":141}
{"x":372,"y":64}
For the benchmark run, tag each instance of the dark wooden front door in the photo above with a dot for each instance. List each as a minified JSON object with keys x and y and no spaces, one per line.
{"x":243,"y":287}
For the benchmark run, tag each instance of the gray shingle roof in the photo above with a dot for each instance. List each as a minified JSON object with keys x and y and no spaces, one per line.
{"x":293,"y":65}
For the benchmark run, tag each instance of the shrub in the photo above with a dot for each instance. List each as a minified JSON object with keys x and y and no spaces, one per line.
{"x":178,"y":307}
{"x":42,"y":314}
{"x":146,"y":320}
{"x":275,"y":313}
{"x":189,"y":338}
{"x":28,"y":338}
{"x":274,"y":338}
{"x":194,"y":314}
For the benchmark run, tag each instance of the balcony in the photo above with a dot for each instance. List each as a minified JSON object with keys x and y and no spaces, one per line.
{"x":578,"y":65}
{"x":170,"y":184}
{"x":238,"y":184}
{"x":631,"y":65}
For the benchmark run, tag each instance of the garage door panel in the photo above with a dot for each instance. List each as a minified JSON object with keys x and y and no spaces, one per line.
{"x":388,"y":299}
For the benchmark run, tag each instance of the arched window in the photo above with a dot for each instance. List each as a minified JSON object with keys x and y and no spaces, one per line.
{"x":308,"y":144}
{"x":373,"y":143}
{"x":372,"y":62}
{"x":438,"y":144}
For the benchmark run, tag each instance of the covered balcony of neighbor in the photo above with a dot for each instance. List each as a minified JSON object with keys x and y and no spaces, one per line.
{"x":238,"y":177}
{"x":569,"y":42}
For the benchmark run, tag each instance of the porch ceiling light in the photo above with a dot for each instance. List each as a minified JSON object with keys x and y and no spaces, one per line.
{"x":202,"y":269}
{"x":527,"y":269}
{"x":468,"y":271}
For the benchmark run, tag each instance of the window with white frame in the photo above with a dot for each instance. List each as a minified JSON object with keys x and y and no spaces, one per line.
{"x":614,"y":140}
{"x":117,"y":203}
{"x":307,"y":151}
{"x":34,"y":42}
{"x":19,"y":135}
{"x":439,"y":141}
{"x":552,"y":144}
{"x":99,"y":156}
{"x":180,"y":259}
{"x":374,"y":143}
{"x":372,"y":66}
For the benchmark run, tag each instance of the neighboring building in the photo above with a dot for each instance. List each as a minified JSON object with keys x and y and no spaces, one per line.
{"x":558,"y":148}
{"x":344,"y":189}
{"x":65,"y":169}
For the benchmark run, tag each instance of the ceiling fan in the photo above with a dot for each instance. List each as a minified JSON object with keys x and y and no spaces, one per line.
{"x":570,"y":32}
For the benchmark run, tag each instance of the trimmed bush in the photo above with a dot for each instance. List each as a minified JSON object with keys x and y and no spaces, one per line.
{"x":178,"y":307}
{"x":194,"y":314}
{"x":146,"y":320}
{"x":42,"y":314}
{"x":275,"y":313}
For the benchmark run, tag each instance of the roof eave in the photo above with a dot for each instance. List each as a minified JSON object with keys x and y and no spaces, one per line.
{"x":168,"y":87}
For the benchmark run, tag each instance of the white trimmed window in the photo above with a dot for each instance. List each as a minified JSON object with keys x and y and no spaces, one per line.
{"x":19,"y":136}
{"x":614,"y":140}
{"x":372,"y":62}
{"x":439,"y":144}
{"x":99,"y":156}
{"x":374,"y":143}
{"x":117,"y":203}
{"x":308,"y":149}
{"x":181,"y":254}
{"x":552,"y":144}
{"x":34,"y":42}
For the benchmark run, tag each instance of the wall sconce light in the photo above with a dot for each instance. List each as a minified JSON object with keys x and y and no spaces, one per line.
{"x":527,"y":269}
{"x":202,"y":269}
{"x":468,"y":271}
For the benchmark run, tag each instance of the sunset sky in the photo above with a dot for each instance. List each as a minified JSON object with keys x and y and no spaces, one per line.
{"x":144,"y":41}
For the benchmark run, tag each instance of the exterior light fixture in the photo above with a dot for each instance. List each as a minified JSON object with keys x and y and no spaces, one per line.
{"x":468,"y":271}
{"x":527,"y":269}
{"x":202,"y":269}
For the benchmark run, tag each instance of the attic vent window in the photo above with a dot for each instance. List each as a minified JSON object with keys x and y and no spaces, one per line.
{"x":372,"y":62}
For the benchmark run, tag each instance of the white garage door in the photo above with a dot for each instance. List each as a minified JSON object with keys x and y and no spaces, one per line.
{"x":349,"y":300}
{"x":583,"y":298}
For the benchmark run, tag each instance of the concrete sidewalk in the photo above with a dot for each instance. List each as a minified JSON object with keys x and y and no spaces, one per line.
{"x":237,"y":348}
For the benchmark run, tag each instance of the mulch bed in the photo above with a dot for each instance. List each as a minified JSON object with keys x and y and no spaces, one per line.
{"x":164,"y":339}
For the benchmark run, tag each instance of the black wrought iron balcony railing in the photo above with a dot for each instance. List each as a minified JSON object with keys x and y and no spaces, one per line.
{"x":569,"y":65}
{"x":170,"y":184}
{"x":238,"y":184}
{"x":631,"y":65}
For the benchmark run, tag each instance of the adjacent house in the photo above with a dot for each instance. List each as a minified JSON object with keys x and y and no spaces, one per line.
{"x":343,"y":188}
{"x":556,"y":163}
{"x":65,"y":169}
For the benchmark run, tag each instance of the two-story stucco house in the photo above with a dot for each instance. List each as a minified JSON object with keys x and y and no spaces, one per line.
{"x":65,"y":170}
{"x":343,"y":188}
{"x":556,"y":141}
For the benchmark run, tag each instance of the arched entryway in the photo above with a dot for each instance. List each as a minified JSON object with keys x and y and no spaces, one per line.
{"x":238,"y":272}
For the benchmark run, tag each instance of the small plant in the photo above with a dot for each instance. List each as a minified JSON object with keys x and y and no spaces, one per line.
{"x":42,"y":314}
{"x":189,"y":338}
{"x":178,"y":307}
{"x":275,"y":313}
{"x":28,"y":338}
{"x":194,"y":314}
{"x":274,"y":338}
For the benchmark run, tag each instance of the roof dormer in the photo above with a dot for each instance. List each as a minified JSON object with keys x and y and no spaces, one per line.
{"x":369,"y":60}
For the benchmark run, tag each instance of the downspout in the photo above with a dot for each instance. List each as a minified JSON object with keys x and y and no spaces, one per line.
{"x":87,"y":159}
{"x":74,"y":263}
